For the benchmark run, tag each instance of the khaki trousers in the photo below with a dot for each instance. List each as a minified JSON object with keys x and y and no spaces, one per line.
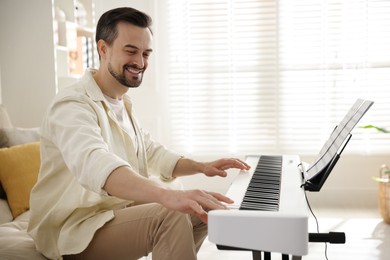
{"x":138,"y":230}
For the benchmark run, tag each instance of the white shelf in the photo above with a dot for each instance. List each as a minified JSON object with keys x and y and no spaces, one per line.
{"x":77,"y":50}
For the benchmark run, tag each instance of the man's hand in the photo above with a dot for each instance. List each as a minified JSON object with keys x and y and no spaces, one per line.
{"x":185,"y":167}
{"x":194,"y":202}
{"x":219,"y":167}
{"x":198,"y":202}
{"x":124,"y":183}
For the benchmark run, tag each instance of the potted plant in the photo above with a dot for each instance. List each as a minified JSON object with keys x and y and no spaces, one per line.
{"x":384,"y":182}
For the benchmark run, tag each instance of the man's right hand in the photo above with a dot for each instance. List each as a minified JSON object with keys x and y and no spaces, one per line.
{"x":194,"y":202}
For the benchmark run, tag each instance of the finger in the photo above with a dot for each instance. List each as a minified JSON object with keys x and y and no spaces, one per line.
{"x":198,"y":211}
{"x":233,"y":163}
{"x":237,"y":163}
{"x":196,"y":208}
{"x":213,"y":200}
{"x":203,"y":217}
{"x":221,"y":173}
{"x":220,"y":197}
{"x":209,"y":202}
{"x":216,"y":171}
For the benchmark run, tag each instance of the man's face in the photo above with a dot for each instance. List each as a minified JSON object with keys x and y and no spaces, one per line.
{"x":127,"y":58}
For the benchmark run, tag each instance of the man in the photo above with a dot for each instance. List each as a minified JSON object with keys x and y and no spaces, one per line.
{"x":96,"y":161}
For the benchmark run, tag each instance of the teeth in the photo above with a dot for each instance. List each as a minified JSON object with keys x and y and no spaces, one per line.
{"x":132,"y":70}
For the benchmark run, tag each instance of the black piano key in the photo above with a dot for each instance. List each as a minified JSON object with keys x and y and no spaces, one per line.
{"x":260,"y":182}
{"x":266,"y":175}
{"x":262,"y":188}
{"x":268,"y":168}
{"x":262,"y":195}
{"x":270,"y":197}
{"x":257,"y":206}
{"x":263,"y":192}
{"x":260,"y":201}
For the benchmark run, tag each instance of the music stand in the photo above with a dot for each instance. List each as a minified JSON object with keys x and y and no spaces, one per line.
{"x":316,"y":175}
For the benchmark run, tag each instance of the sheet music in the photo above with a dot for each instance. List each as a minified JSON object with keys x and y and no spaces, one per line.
{"x":338,"y":136}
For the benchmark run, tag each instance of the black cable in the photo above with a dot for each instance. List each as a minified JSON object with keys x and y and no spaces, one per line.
{"x":326,"y":251}
{"x":317,"y":224}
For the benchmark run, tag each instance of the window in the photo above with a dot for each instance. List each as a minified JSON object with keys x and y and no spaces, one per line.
{"x":267,"y":76}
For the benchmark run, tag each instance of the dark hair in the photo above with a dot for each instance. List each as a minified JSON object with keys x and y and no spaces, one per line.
{"x":106,"y":27}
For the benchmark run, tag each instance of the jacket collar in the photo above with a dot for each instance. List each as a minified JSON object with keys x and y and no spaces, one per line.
{"x":96,"y":94}
{"x":92,"y":89}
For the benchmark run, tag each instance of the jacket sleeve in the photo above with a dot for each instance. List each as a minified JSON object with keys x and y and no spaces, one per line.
{"x":161,"y":160}
{"x":73,"y":127}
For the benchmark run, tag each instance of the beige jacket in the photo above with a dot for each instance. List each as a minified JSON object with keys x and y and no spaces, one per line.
{"x":81,"y":144}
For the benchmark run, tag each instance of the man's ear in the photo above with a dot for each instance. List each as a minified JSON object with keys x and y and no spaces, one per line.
{"x":102,"y":48}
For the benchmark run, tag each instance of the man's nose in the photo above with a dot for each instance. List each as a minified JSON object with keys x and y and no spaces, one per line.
{"x":139,"y":60}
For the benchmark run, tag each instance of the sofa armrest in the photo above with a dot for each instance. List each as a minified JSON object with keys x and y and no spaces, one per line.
{"x":5,"y":121}
{"x":16,"y":244}
{"x":20,"y":135}
{"x":5,"y":212}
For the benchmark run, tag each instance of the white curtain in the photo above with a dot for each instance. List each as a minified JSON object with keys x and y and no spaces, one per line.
{"x":267,"y":76}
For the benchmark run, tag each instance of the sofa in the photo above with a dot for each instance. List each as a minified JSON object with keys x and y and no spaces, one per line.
{"x":19,"y":166}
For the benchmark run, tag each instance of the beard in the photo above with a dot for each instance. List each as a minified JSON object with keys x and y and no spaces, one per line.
{"x":134,"y":82}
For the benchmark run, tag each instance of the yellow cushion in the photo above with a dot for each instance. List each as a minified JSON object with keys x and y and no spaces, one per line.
{"x":19,"y":168}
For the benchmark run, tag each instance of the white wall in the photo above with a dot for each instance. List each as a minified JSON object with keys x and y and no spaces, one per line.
{"x":350,"y":183}
{"x":26,"y":59}
{"x":1,"y":102}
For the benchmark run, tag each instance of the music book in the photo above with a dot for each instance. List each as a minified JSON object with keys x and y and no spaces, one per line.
{"x":317,"y":172}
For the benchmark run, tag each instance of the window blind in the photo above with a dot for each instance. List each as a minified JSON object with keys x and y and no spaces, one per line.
{"x":266,"y":76}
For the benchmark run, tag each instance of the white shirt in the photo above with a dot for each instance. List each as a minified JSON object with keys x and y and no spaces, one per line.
{"x":118,"y":106}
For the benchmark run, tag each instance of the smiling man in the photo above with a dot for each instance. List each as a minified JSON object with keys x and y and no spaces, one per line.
{"x":126,"y":58}
{"x":96,"y":160}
